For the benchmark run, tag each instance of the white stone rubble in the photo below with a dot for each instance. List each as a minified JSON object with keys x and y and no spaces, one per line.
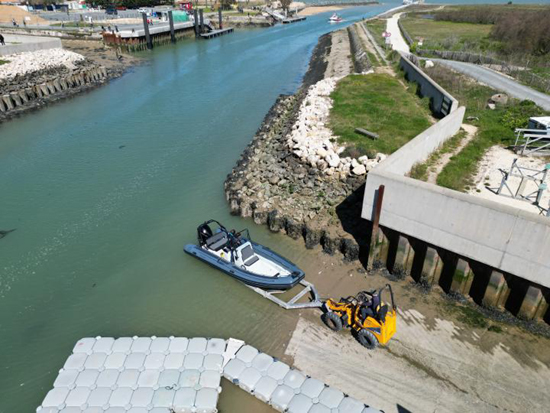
{"x":27,"y":62}
{"x":314,"y":143}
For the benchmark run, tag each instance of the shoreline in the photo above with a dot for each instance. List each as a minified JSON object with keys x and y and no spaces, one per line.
{"x":34,"y":90}
{"x":271,"y":185}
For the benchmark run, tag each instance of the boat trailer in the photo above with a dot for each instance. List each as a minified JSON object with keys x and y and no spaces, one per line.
{"x":293,"y":303}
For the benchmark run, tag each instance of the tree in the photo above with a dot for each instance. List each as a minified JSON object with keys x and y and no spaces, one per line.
{"x":285,"y":4}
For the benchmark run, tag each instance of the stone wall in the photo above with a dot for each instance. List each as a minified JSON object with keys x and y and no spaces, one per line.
{"x":22,"y":94}
{"x":361,"y":63}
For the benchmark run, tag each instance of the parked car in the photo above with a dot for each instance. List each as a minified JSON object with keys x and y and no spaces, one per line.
{"x":111,"y":11}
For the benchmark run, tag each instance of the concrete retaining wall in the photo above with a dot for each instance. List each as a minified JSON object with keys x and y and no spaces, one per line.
{"x":28,"y":44}
{"x":497,"y":254}
{"x":510,"y":240}
{"x":79,"y":34}
{"x":441,"y":102}
{"x":422,"y":146}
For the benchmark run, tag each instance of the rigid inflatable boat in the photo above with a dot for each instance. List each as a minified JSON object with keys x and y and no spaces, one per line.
{"x":235,"y":254}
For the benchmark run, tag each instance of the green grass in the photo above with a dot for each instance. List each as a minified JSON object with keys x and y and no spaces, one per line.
{"x":376,"y":28}
{"x":369,"y":102}
{"x":420,"y":171}
{"x":495,"y":127}
{"x":443,"y":35}
{"x":3,"y":62}
{"x":75,"y":24}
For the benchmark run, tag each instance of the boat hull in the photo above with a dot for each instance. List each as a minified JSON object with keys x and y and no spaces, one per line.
{"x":247,"y":277}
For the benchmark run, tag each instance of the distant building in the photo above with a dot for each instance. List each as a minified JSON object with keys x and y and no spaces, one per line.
{"x":76,"y":5}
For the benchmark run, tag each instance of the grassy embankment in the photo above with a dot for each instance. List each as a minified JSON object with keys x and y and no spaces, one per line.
{"x":516,"y":34}
{"x":3,"y":62}
{"x":495,"y":127}
{"x":445,"y":35}
{"x":376,"y":28}
{"x":381,"y":104}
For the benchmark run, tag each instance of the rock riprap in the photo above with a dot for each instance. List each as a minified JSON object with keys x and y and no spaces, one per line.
{"x":28,"y":62}
{"x":315,"y":144}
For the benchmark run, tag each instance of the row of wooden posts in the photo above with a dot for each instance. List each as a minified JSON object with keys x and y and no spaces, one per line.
{"x":198,"y":16}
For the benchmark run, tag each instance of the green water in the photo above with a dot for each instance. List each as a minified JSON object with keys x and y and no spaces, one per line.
{"x":106,"y":188}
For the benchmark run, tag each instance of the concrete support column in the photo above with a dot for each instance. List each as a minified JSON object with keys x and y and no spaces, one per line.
{"x":379,"y":251}
{"x":8,"y":102}
{"x":44,"y":89}
{"x":23,"y":95}
{"x":51,"y":87}
{"x":497,"y":290}
{"x":15,"y":98}
{"x":431,"y":267}
{"x":534,"y":304}
{"x":57,"y":85}
{"x":30,"y":93}
{"x":38,"y":91}
{"x":2,"y":106}
{"x":462,"y":277}
{"x":404,"y":256}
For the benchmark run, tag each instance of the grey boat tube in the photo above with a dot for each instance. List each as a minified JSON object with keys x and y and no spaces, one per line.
{"x":250,"y":278}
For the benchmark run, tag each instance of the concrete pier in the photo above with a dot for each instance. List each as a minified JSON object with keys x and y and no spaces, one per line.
{"x":534,"y":304}
{"x":462,"y":277}
{"x":431,"y":267}
{"x":497,"y":290}
{"x":404,"y":256}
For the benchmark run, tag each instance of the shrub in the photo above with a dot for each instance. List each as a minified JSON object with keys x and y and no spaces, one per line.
{"x":517,"y":116}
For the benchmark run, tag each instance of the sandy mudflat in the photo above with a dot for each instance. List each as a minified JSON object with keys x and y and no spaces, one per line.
{"x":310,"y":11}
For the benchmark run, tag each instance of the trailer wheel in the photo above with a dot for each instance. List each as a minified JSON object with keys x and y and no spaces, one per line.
{"x":332,"y":320}
{"x":367,"y":339}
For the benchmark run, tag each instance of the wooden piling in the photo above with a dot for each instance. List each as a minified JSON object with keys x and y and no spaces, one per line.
{"x":172,"y":32}
{"x":375,"y":225}
{"x":196,"y":21}
{"x":202,"y":20}
{"x":146,"y":28}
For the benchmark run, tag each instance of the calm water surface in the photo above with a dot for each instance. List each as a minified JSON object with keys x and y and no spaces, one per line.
{"x":106,"y":188}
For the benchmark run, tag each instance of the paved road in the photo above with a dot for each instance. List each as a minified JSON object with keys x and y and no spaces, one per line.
{"x":397,"y":41}
{"x":498,"y":82}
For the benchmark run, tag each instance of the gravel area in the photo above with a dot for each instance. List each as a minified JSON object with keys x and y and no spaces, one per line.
{"x":28,"y":62}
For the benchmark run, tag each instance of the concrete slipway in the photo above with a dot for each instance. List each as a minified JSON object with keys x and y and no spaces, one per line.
{"x":177,"y":374}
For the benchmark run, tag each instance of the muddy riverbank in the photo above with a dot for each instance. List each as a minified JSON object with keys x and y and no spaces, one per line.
{"x":445,"y":356}
{"x":42,"y":78}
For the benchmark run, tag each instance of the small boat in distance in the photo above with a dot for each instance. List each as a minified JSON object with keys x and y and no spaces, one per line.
{"x":335,"y":19}
{"x":235,"y":254}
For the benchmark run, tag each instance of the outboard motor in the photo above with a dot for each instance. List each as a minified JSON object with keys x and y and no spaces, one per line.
{"x":204,"y":232}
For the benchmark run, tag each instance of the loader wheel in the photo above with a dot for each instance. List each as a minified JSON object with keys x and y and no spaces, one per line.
{"x":332,"y":320}
{"x":367,"y":339}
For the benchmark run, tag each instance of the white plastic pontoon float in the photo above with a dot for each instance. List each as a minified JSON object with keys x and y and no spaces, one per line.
{"x":178,"y":374}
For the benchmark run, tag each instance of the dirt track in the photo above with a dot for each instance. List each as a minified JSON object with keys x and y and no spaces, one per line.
{"x":445,"y":357}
